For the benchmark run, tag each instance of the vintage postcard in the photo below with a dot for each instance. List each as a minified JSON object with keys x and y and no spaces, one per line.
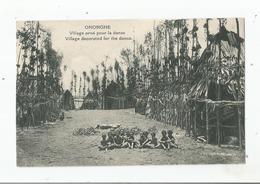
{"x":130,"y":92}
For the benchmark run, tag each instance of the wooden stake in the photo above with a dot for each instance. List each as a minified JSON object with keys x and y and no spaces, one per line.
{"x":239,"y":87}
{"x":218,"y":87}
{"x":189,"y":123}
{"x":207,"y":122}
{"x":218,"y":127}
{"x":195,"y":121}
{"x":206,"y":95}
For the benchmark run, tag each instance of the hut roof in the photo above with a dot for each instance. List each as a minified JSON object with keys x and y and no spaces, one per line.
{"x":113,"y":89}
{"x":209,"y":64}
{"x":90,"y":96}
{"x":67,"y":93}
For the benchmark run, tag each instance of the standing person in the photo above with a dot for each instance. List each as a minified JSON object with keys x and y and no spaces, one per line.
{"x":24,"y":118}
{"x":20,"y":116}
{"x":30,"y":116}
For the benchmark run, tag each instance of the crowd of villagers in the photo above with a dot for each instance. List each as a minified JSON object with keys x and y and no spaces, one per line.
{"x":146,"y":139}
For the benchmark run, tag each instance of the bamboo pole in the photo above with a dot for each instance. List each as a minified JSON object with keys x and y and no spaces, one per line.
{"x":18,"y":60}
{"x":189,"y":123}
{"x":238,"y":82}
{"x":218,"y":89}
{"x":195,"y":121}
{"x":206,"y":95}
{"x":207,"y":122}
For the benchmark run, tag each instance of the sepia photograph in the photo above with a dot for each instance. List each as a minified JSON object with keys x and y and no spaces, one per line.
{"x":130,"y":92}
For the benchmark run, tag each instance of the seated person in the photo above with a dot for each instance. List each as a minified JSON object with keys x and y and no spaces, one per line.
{"x":143,"y":141}
{"x":110,"y":141}
{"x":123,"y":135}
{"x":103,"y":143}
{"x":171,"y":142}
{"x":153,"y":142}
{"x":119,"y":141}
{"x":62,"y":116}
{"x":164,"y":142}
{"x":131,"y":140}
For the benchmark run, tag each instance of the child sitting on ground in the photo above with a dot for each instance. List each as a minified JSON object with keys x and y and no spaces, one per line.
{"x":123,"y":135}
{"x":143,"y":141}
{"x":164,"y":142}
{"x":131,"y":140}
{"x":119,"y":141}
{"x":103,"y":143}
{"x":171,"y":142}
{"x":153,"y":143}
{"x":110,"y":141}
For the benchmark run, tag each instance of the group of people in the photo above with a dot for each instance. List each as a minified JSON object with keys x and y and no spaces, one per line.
{"x":127,"y":140}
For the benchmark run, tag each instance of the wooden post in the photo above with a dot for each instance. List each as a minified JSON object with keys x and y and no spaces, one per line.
{"x":218,"y":87}
{"x":165,"y":108}
{"x":18,"y":60}
{"x":195,"y":121}
{"x":207,"y":122}
{"x":207,"y":80}
{"x":206,"y":106}
{"x":189,"y":123}
{"x":218,"y":127}
{"x":239,"y":87}
{"x":239,"y":127}
{"x":186,"y":120}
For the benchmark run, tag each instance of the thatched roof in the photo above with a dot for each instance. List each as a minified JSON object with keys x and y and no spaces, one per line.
{"x":208,"y":65}
{"x":68,"y":100}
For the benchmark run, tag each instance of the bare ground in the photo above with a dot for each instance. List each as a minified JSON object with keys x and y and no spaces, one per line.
{"x":54,"y":145}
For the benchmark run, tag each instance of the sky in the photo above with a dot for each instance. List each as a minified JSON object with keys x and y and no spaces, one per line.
{"x":81,"y":56}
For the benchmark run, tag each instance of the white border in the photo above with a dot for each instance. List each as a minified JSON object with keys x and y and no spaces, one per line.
{"x":12,"y":10}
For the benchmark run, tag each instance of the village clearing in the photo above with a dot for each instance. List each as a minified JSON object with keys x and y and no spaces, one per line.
{"x":55,"y":145}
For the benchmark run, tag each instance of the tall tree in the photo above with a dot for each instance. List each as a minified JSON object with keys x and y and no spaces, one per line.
{"x":71,"y":83}
{"x":75,"y":84}
{"x":92,"y":73}
{"x":80,"y":80}
{"x":97,"y":80}
{"x":88,"y":81}
{"x":84,"y":82}
{"x":104,"y":84}
{"x":117,"y":68}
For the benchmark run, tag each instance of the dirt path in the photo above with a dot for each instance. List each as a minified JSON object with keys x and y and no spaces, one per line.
{"x":54,"y":145}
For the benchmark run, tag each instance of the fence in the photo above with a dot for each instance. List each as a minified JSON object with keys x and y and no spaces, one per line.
{"x":214,"y":120}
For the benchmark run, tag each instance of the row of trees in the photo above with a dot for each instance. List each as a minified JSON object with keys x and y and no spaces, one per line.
{"x":98,"y":79}
{"x":38,"y":64}
{"x":168,"y":58}
{"x":168,"y":74}
{"x":163,"y":65}
{"x":38,"y":70}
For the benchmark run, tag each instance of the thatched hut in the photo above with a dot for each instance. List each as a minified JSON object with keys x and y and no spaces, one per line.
{"x":114,"y":97}
{"x":68,"y":101}
{"x":90,"y":101}
{"x":220,"y":67}
{"x":218,"y":88}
